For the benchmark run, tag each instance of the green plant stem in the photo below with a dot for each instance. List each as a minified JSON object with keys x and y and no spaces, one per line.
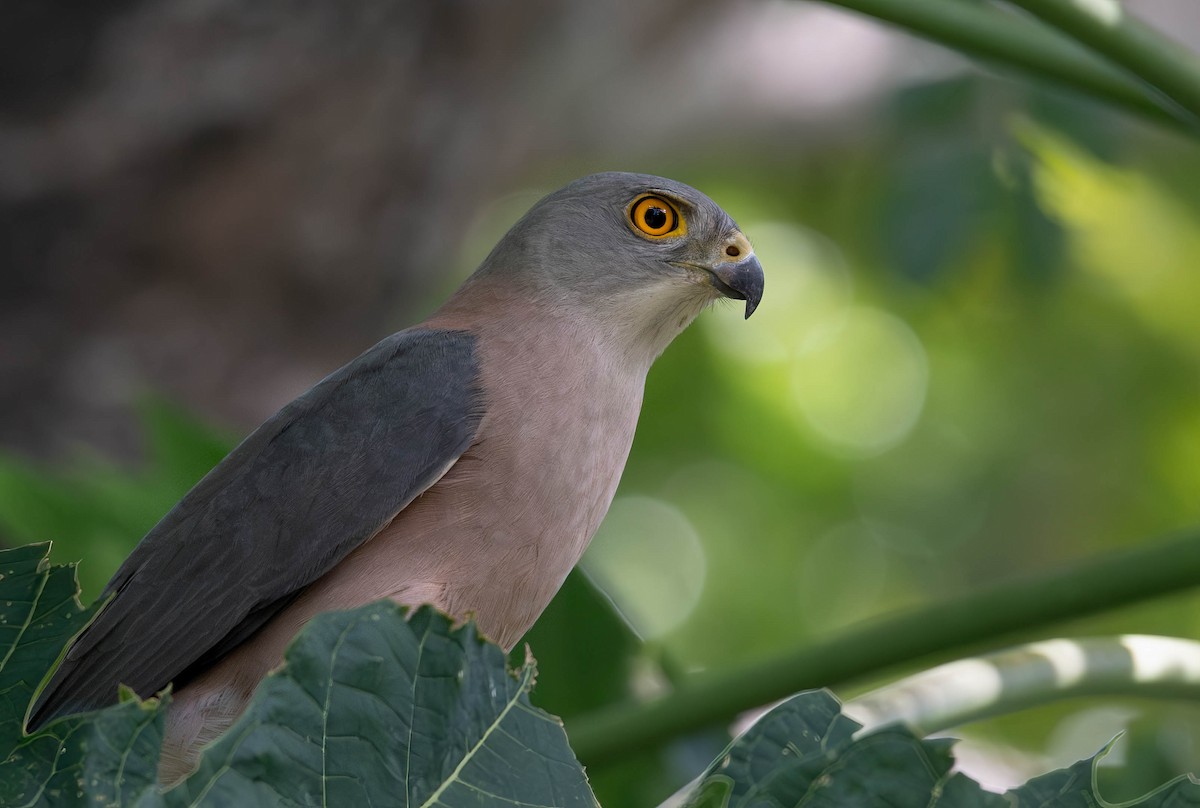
{"x":1002,"y":38}
{"x":1038,"y":673}
{"x":1105,"y":27}
{"x":708,"y":699}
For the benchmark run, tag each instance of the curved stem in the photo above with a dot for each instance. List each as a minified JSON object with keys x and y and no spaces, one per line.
{"x":977,"y":619}
{"x":1111,"y":31}
{"x":991,"y":34}
{"x":1029,"y":675}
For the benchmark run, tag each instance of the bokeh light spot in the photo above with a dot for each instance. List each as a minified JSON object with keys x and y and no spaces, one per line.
{"x":648,"y":558}
{"x":860,"y":379}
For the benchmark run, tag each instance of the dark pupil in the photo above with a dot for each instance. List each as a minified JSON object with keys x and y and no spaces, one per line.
{"x":655,"y":218}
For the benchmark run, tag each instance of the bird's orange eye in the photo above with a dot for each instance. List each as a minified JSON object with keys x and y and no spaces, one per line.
{"x":655,"y":217}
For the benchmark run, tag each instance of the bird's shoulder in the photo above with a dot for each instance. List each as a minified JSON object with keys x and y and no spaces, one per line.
{"x":306,"y":488}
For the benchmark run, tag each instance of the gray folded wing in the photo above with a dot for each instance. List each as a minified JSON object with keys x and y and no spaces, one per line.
{"x":311,"y":484}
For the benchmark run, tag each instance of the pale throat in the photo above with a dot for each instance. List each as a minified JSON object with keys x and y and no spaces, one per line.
{"x":636,"y":324}
{"x":643,"y":321}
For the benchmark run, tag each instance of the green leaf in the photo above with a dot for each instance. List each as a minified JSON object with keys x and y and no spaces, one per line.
{"x":104,"y":758}
{"x":1075,"y":787}
{"x":1063,"y":788}
{"x":714,"y":792}
{"x":372,"y":709}
{"x":801,"y":728}
{"x":804,"y":752}
{"x":39,"y":612}
{"x":108,"y":758}
{"x":369,"y":706}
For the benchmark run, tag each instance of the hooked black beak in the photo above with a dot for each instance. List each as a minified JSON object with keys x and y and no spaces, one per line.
{"x":740,"y":281}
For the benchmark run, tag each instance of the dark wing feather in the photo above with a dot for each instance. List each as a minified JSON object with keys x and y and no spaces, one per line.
{"x":320,"y":477}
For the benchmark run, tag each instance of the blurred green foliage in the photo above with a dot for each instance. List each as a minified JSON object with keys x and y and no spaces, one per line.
{"x":977,"y":356}
{"x":96,"y":510}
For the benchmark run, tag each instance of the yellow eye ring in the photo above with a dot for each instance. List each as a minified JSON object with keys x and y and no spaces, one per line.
{"x":655,"y":217}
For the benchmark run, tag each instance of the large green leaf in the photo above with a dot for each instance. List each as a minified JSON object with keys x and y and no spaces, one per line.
{"x":370,"y":709}
{"x":373,"y":709}
{"x":804,"y":753}
{"x":39,"y":612}
{"x":1075,"y":787}
{"x":104,"y":758}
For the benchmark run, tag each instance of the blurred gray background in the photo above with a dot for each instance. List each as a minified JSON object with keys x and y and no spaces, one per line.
{"x":223,"y":200}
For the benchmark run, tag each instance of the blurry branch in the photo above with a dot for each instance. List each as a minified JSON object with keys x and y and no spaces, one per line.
{"x":716,"y":697}
{"x":1105,"y":27}
{"x":1000,"y":37}
{"x":1029,"y":675}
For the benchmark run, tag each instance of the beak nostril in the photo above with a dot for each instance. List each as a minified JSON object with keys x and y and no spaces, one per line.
{"x":732,"y":251}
